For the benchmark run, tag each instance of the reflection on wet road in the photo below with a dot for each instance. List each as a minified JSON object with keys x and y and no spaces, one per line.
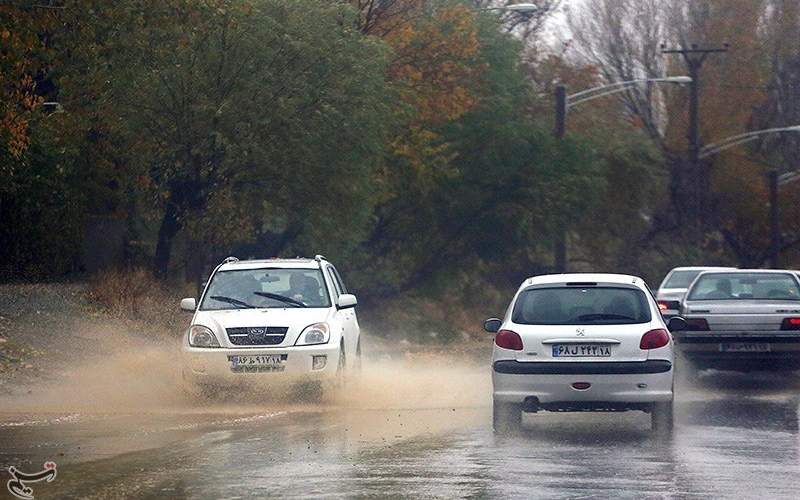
{"x":731,"y":440}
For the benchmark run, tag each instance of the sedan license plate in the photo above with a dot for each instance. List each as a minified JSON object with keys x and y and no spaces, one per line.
{"x":257,"y":362}
{"x":744,"y":347}
{"x":581,"y":351}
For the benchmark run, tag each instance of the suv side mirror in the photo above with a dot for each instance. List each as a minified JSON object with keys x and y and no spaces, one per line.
{"x":677,"y":324}
{"x":188,"y":305}
{"x":346,"y":301}
{"x":492,"y":325}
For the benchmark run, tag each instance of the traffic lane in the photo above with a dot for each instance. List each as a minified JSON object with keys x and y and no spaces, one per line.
{"x":452,"y":452}
{"x":27,"y":440}
{"x":419,"y":433}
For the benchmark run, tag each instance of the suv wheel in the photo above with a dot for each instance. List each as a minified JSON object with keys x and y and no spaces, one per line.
{"x":358,"y":358}
{"x":341,"y":368}
{"x":506,"y":417}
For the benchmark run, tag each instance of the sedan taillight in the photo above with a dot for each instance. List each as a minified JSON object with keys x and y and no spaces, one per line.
{"x":508,"y":339}
{"x":668,"y":305}
{"x":654,"y":339}
{"x":791,"y":324}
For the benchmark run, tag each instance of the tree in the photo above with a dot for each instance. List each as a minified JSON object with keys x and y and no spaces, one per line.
{"x":623,"y":39}
{"x":242,"y":117}
{"x":23,"y":62}
{"x":502,"y":185}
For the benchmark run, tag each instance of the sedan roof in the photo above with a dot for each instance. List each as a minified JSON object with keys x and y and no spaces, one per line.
{"x":584,"y":277}
{"x":750,"y":271}
{"x":702,"y":268}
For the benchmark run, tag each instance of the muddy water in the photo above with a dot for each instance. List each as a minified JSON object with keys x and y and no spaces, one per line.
{"x":118,"y":426}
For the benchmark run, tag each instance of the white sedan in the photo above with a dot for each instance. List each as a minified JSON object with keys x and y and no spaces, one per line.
{"x":270,"y":321}
{"x":582,"y":342}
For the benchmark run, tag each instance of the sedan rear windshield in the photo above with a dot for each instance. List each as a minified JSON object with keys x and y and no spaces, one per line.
{"x":595,"y":305}
{"x":680,"y":279}
{"x":745,"y":286}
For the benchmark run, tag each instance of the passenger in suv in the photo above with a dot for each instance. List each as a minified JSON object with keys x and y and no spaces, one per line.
{"x":274,"y":319}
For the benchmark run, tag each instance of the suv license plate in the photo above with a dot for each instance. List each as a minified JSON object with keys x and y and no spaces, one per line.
{"x":257,"y":361}
{"x":581,"y":351}
{"x":744,"y":347}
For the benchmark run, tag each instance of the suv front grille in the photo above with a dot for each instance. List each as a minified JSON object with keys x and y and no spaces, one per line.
{"x":257,"y":335}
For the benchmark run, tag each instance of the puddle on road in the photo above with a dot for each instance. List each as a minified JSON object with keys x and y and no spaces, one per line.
{"x":126,"y":376}
{"x":131,"y":398}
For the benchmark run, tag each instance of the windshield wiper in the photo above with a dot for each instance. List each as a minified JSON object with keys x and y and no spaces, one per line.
{"x":281,"y":298}
{"x":230,"y":300}
{"x":601,"y":316}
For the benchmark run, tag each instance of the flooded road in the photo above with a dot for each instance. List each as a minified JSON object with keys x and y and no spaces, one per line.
{"x":736,"y":436}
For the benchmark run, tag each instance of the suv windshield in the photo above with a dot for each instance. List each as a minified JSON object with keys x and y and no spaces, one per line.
{"x":581,"y":306}
{"x":750,"y":286}
{"x":680,"y":279}
{"x":265,"y":288}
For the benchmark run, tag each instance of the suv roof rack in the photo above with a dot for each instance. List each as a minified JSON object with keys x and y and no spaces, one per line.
{"x":319,"y":258}
{"x":230,"y":259}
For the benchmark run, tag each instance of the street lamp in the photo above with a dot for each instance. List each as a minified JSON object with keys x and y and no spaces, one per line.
{"x":774,"y":182}
{"x":563,"y":103}
{"x":735,"y":140}
{"x":614,"y":88}
{"x":788,"y":177}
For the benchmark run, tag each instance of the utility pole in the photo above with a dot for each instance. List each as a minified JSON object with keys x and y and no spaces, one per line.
{"x":695,"y":57}
{"x":560,"y":243}
{"x":774,"y":221}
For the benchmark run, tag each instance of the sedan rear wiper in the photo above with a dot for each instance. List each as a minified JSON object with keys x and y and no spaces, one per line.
{"x":281,"y":298}
{"x":232,"y":301}
{"x":592,"y":317}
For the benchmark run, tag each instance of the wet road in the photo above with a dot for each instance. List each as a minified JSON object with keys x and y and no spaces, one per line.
{"x":736,"y":437}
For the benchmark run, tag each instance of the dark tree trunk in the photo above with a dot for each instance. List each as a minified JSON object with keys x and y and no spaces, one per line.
{"x":170,"y":225}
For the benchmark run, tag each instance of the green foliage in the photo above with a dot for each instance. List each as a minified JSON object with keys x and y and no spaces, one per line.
{"x":508,"y":186}
{"x":417,"y":156}
{"x":41,"y":212}
{"x":244,"y":120}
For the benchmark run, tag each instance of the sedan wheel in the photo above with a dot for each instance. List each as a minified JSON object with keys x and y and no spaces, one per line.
{"x":662,"y":418}
{"x":506,"y":417}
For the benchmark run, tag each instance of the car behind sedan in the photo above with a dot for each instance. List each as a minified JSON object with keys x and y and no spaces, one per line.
{"x":581,"y":342}
{"x":742,"y":320}
{"x":673,"y":289}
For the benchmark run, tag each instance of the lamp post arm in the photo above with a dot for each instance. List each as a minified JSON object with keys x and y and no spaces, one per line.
{"x":788,"y":177}
{"x":610,"y":86}
{"x":574,"y":102}
{"x":614,"y":88}
{"x":735,"y":140}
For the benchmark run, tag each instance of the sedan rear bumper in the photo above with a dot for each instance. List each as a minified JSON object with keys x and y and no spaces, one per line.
{"x":619,"y":382}
{"x":583,"y":367}
{"x":743,"y":351}
{"x":715,"y":337}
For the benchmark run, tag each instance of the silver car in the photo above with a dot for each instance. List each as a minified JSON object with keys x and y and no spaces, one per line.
{"x":742,"y":320}
{"x":675,"y":284}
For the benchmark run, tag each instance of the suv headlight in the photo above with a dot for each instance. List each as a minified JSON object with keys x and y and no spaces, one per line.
{"x":200,"y":336}
{"x":318,"y":333}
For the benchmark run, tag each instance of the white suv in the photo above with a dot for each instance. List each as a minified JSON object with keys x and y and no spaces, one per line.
{"x":582,"y":342}
{"x":275,"y":320}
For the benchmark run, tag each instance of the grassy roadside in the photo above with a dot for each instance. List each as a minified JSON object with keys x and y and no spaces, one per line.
{"x":34,"y":318}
